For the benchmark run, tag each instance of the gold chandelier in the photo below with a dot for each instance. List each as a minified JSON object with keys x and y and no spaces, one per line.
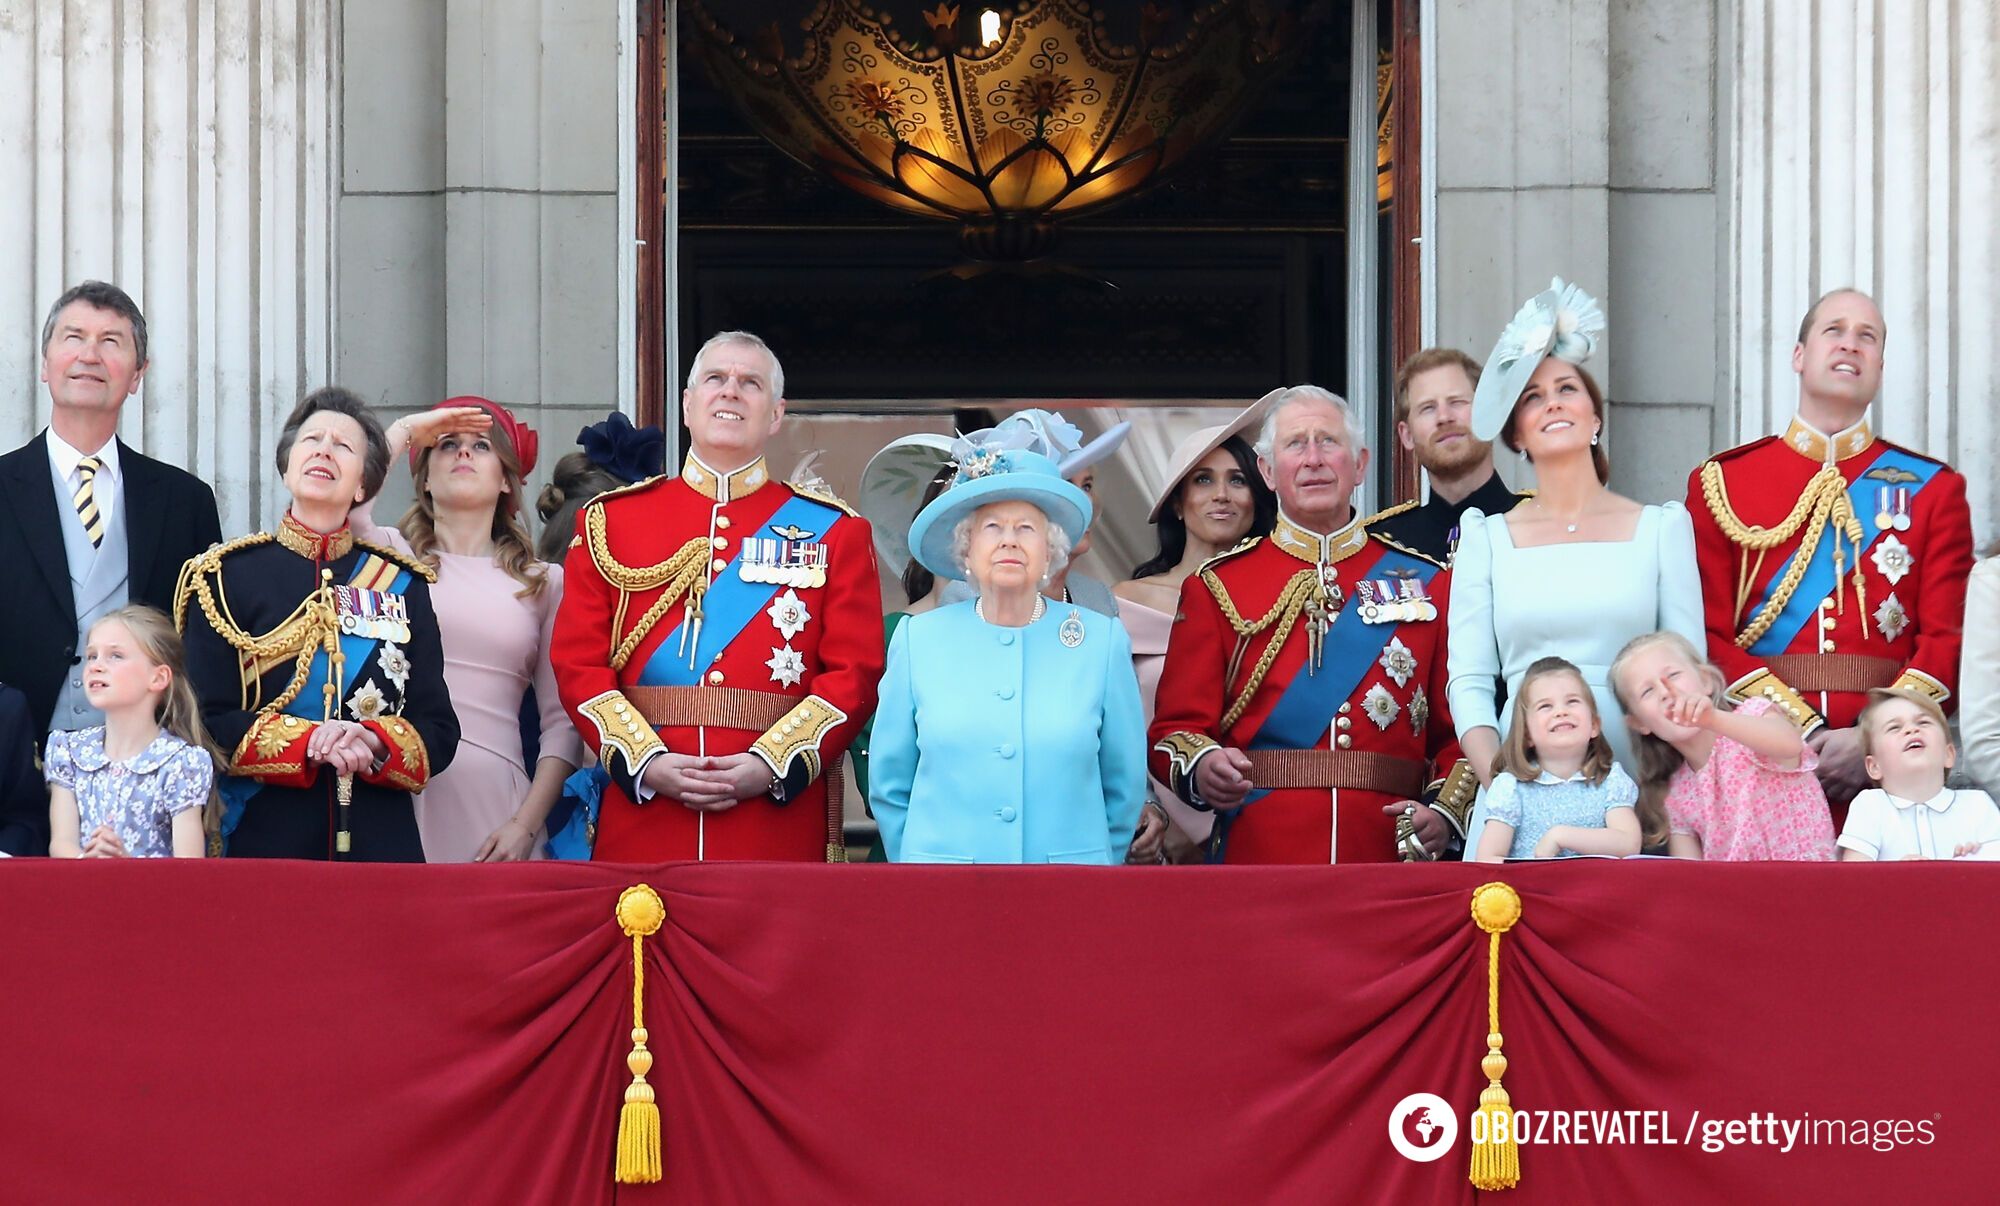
{"x":1043,"y":120}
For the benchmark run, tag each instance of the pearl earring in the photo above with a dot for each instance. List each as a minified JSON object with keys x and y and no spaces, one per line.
{"x":1593,"y":439}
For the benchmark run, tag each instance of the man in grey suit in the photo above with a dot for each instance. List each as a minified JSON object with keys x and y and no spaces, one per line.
{"x":87,"y":524}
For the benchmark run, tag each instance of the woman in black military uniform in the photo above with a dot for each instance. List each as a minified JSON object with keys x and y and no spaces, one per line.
{"x":317,"y":659}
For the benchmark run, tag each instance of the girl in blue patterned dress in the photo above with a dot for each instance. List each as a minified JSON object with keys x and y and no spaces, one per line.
{"x":1556,"y":791}
{"x":141,"y":785}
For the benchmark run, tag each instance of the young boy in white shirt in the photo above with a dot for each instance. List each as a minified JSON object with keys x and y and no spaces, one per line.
{"x":1910,"y":813}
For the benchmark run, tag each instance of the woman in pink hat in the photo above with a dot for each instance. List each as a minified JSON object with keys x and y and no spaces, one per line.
{"x":1211,"y":499}
{"x":495,"y":603}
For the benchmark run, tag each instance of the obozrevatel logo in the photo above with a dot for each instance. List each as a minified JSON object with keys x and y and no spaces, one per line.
{"x":1422,"y":1127}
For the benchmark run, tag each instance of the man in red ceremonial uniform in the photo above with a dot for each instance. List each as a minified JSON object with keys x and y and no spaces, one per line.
{"x":1303,"y":691}
{"x":720,"y":637}
{"x":1832,"y":561}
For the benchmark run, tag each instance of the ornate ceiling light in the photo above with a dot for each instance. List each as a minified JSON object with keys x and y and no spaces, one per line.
{"x":1043,"y":121}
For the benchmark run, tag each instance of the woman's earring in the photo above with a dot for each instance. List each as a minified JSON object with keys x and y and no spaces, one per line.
{"x":1593,"y":438}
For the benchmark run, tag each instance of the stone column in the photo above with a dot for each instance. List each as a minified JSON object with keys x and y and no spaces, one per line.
{"x":184,"y":152}
{"x":1867,"y":153}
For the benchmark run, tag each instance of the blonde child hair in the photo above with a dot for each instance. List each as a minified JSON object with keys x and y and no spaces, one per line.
{"x":1657,"y":758}
{"x":1878,"y":696}
{"x":1517,"y":753}
{"x":179,"y":710}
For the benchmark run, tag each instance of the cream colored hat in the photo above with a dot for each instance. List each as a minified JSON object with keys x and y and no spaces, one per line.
{"x":1188,"y":453}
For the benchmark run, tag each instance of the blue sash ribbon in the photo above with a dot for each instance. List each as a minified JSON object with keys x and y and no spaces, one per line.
{"x":310,"y":703}
{"x":730,"y":604}
{"x":1308,"y":706}
{"x":1818,"y":581}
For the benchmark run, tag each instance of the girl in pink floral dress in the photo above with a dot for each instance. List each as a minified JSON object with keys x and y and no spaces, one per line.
{"x":1714,"y":783}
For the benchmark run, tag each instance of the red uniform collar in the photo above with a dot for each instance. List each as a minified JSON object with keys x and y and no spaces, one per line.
{"x":315,"y":546}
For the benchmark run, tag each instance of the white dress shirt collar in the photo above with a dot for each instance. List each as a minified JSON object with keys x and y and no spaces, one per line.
{"x":64,"y":457}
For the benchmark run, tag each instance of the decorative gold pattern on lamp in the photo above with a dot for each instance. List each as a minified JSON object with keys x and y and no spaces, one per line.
{"x":1045,"y":123}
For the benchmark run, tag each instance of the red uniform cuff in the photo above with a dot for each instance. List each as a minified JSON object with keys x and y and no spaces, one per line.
{"x":274,"y":751}
{"x":408,"y":766}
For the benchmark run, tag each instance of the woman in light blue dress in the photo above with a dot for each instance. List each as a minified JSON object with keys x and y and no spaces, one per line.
{"x":1009,"y":730}
{"x":1577,"y":570}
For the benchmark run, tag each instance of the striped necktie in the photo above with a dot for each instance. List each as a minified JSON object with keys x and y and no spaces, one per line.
{"x":85,"y":500}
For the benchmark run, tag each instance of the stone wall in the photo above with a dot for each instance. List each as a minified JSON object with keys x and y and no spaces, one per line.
{"x":479,"y":212}
{"x":1579,"y":139}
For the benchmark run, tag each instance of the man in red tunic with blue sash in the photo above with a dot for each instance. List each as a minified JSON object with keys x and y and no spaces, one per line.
{"x":1832,"y":561}
{"x":1303,"y":692}
{"x":720,"y":638}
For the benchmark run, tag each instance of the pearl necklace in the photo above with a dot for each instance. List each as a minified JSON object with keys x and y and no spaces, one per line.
{"x":1041,"y":607}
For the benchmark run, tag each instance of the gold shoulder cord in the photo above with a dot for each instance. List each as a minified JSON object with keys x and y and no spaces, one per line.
{"x":680,"y":574}
{"x":1284,"y":614}
{"x":1823,"y":505}
{"x":315,"y":621}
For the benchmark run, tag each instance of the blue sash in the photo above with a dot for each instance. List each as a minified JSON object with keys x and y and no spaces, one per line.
{"x":730,"y":605}
{"x":1818,"y":581}
{"x":1310,"y":703}
{"x":310,"y":703}
{"x":572,"y":823}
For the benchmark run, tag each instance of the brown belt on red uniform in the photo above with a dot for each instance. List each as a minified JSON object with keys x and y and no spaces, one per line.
{"x":1810,"y":672}
{"x":1353,"y":770}
{"x":713,"y":707}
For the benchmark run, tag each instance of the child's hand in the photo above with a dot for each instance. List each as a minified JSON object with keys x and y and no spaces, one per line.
{"x":1551,"y":844}
{"x":1965,"y":849}
{"x":105,"y":843}
{"x":1690,"y":711}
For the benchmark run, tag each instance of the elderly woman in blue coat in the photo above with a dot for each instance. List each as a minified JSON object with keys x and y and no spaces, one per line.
{"x":1009,"y":730}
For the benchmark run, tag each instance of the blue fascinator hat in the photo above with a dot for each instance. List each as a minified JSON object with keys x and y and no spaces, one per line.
{"x":624,"y":451}
{"x":995,"y":465}
{"x":1561,"y":321}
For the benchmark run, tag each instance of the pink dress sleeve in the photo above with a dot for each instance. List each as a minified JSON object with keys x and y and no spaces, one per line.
{"x":1743,"y":755}
{"x":362,"y":520}
{"x":559,"y":737}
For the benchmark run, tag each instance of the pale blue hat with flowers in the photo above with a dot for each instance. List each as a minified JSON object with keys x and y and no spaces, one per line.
{"x":1561,"y":321}
{"x":995,"y":465}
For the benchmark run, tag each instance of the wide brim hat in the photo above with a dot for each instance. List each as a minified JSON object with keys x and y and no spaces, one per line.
{"x":990,"y":475}
{"x":1096,"y":450}
{"x":1055,"y":437}
{"x":892,"y":488}
{"x":1561,"y":321}
{"x":1197,"y":445}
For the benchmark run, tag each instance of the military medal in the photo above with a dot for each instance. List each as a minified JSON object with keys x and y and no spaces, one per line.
{"x":372,"y":613}
{"x":1398,"y":662}
{"x":1416,"y":601}
{"x":1892,"y":558}
{"x":1892,"y":508}
{"x":1071,"y":632}
{"x":788,"y":614}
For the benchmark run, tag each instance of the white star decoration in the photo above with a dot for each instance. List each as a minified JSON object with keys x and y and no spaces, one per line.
{"x":1381,"y":706}
{"x":1892,"y":557}
{"x":787,"y":665}
{"x":367,"y":702}
{"x":1398,"y":662}
{"x":1891,"y":619}
{"x":788,"y":612}
{"x":395,"y":664}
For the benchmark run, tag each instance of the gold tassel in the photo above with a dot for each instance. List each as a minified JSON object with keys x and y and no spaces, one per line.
{"x":1496,"y":1156}
{"x":640,"y":914}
